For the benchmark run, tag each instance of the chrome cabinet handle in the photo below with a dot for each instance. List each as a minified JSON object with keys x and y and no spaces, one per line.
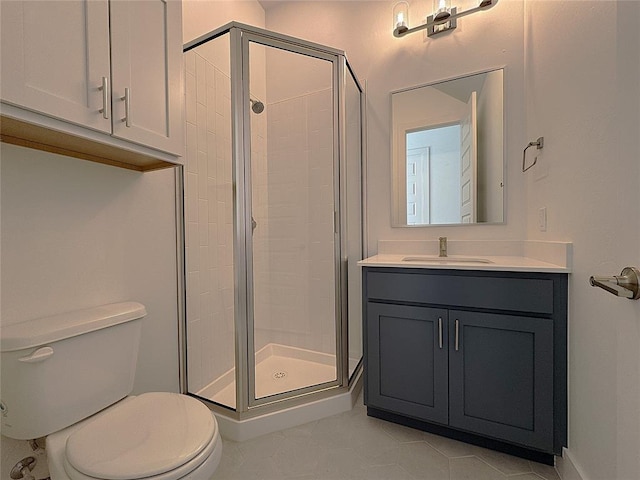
{"x":457,"y":334}
{"x":127,"y":107}
{"x":440,"y":332}
{"x":106,"y":98}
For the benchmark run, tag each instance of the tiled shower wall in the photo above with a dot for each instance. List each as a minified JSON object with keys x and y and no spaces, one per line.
{"x":208,"y":222}
{"x":295,"y":303}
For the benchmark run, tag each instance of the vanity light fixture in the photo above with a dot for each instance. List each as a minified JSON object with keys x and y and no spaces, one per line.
{"x":444,"y":17}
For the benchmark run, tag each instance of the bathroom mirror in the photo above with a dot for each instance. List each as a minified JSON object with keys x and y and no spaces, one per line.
{"x":447,"y":151}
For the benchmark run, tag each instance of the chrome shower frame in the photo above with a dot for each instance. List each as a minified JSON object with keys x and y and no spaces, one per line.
{"x":247,"y":405}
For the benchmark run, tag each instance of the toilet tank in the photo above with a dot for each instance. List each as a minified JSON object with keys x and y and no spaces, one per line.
{"x":58,"y":370}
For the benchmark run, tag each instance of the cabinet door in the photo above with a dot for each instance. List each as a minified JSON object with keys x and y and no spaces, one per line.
{"x":501,"y":377}
{"x":55,"y":55}
{"x":407,"y":360}
{"x":146,"y":60}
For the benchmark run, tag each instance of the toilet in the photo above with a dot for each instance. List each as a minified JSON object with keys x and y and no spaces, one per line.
{"x":68,"y":377}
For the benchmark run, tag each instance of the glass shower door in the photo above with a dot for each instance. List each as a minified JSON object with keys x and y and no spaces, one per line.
{"x":292,"y":245}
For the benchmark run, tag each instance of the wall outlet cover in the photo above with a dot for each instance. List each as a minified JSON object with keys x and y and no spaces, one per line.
{"x":542,"y":219}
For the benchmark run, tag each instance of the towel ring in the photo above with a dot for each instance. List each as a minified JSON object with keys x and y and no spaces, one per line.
{"x":538,"y":144}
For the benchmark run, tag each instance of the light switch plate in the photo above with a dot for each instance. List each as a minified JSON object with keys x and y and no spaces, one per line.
{"x":542,"y":219}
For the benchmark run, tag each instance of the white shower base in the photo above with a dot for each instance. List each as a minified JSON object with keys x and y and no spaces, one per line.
{"x":281,"y":368}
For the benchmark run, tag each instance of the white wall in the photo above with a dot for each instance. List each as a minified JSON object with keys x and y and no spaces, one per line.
{"x":583,"y":97}
{"x":200,"y":17}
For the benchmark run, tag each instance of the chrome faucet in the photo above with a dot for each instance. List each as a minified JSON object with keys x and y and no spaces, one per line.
{"x":443,"y":246}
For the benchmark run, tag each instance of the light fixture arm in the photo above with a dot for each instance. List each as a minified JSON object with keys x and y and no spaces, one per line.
{"x":483,"y":5}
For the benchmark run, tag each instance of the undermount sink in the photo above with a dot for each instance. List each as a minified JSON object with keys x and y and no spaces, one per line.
{"x":437,"y":260}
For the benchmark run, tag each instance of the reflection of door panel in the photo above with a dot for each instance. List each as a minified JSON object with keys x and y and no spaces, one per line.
{"x":418,"y":186}
{"x":469,"y":161}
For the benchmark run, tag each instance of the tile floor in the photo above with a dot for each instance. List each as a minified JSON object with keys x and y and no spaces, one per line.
{"x":353,"y":446}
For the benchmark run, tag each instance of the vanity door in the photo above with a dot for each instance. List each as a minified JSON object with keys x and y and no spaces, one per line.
{"x":501,"y":377}
{"x":407,"y":360}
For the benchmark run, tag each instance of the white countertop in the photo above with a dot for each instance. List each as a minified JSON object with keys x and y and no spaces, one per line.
{"x":502,"y":255}
{"x":498,"y":263}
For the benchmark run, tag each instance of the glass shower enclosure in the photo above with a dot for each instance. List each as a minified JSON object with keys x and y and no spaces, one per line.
{"x":273,"y":222}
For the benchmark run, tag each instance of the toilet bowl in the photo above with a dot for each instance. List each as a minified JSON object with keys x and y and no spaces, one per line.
{"x":68,"y":377}
{"x":154,"y":436}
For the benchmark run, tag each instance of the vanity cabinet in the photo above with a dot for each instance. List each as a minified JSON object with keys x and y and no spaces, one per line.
{"x":106,"y":72}
{"x":476,"y":355}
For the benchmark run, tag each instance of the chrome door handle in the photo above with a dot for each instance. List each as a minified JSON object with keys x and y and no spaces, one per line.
{"x":440,"y":332}
{"x":106,"y":98}
{"x":457,"y":335}
{"x":127,"y":107}
{"x":626,"y":285}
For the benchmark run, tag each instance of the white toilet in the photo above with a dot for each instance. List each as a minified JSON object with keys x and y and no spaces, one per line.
{"x":68,"y":377}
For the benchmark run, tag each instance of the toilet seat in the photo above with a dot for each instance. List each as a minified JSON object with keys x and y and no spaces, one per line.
{"x":155,"y":436}
{"x":181,"y":472}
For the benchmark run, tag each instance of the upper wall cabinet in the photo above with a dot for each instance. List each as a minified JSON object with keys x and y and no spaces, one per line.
{"x":106,"y":77}
{"x":55,"y":56}
{"x":146,"y":61}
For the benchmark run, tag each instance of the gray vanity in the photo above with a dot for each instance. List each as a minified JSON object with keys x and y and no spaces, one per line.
{"x":470,"y":351}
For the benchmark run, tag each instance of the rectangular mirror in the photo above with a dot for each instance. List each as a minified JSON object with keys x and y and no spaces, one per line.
{"x":448,"y":152}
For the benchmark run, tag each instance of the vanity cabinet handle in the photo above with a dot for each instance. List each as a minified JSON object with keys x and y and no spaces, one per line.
{"x":440,"y":332}
{"x":457,"y":335}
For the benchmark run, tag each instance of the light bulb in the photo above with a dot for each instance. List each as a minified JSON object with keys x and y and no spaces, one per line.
{"x":400,"y":18}
{"x":441,"y":10}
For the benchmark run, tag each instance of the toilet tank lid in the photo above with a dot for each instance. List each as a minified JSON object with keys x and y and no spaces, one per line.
{"x":40,"y":331}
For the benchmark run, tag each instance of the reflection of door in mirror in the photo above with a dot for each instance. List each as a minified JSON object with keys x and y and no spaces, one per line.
{"x":469,"y":163}
{"x":447,"y":152}
{"x":442,"y":171}
{"x":434,"y":189}
{"x":417,"y":184}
